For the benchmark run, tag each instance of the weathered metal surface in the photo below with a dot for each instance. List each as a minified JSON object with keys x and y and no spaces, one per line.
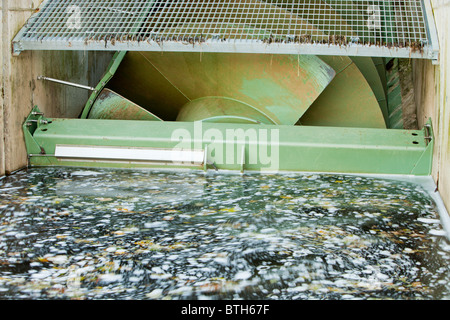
{"x":110,"y":105}
{"x":394,"y":96}
{"x":348,"y":101}
{"x":249,"y":19}
{"x":372,"y":75}
{"x":139,"y":81}
{"x":220,"y":109}
{"x":321,"y":14}
{"x":110,"y":72}
{"x":387,"y":28}
{"x":282,"y":87}
{"x":289,"y":148}
{"x":163,"y":84}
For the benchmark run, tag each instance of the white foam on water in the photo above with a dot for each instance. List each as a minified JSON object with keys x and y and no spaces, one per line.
{"x":85,"y":173}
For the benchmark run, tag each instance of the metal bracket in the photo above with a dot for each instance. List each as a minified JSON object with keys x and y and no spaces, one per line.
{"x":40,"y":121}
{"x":428,"y":132}
{"x":17,"y":48}
{"x":433,"y":52}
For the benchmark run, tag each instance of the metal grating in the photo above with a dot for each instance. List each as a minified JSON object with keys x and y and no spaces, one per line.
{"x":392,"y":28}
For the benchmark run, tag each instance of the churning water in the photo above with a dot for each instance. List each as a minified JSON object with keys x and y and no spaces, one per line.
{"x":122,"y":234}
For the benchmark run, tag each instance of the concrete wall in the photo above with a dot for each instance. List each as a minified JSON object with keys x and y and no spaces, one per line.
{"x":432,"y":89}
{"x":20,"y":89}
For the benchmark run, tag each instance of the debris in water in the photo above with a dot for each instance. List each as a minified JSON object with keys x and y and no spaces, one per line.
{"x":124,"y":234}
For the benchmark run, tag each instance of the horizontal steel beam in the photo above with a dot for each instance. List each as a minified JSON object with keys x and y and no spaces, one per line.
{"x":235,"y":46}
{"x":237,"y":146}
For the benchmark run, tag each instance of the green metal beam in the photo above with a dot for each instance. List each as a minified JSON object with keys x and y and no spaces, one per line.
{"x":267,"y":147}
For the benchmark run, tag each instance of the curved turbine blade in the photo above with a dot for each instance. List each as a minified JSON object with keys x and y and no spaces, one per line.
{"x":221,"y":109}
{"x":110,"y":105}
{"x":282,"y":87}
{"x":347,"y":102}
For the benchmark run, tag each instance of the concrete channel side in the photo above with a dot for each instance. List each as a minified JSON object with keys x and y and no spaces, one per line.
{"x":432,"y":90}
{"x":20,"y":89}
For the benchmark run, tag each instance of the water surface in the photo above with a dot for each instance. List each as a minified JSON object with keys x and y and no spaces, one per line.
{"x":122,"y":234}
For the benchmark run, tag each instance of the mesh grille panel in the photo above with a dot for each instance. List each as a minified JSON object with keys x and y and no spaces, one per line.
{"x":391,"y":24}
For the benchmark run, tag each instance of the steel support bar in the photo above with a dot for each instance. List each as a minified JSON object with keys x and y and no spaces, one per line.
{"x":266,"y":147}
{"x":71,"y":84}
{"x":236,"y":46}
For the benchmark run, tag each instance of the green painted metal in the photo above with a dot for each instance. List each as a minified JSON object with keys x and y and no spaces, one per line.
{"x":230,"y":119}
{"x":29,"y":127}
{"x":110,"y":71}
{"x":241,"y":109}
{"x":110,"y":105}
{"x":282,"y":87}
{"x":221,"y":109}
{"x":138,"y":80}
{"x":379,"y":64}
{"x":425,"y":163}
{"x":348,"y":101}
{"x":289,"y":148}
{"x":117,"y":59}
{"x":163,"y":87}
{"x":368,"y":68}
{"x":394,"y":97}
